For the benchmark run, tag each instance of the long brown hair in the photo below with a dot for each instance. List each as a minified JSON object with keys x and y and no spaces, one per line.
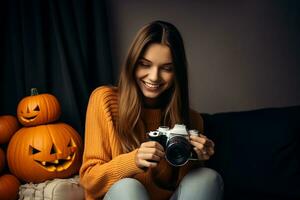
{"x":130,"y":98}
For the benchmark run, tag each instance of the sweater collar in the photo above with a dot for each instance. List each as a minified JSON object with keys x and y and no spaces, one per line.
{"x":151,"y":118}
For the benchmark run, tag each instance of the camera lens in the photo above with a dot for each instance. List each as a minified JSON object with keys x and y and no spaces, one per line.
{"x":178,"y":150}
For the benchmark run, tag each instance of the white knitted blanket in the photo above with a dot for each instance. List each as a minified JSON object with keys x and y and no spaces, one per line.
{"x":56,"y":189}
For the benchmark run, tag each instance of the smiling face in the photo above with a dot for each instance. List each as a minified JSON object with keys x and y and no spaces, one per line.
{"x":155,"y":72}
{"x":53,"y":155}
{"x":31,"y":112}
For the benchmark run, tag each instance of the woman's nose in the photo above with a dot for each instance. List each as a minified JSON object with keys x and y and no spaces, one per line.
{"x":153,"y":74}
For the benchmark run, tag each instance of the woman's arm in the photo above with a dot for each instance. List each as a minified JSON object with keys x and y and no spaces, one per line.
{"x":100,"y":169}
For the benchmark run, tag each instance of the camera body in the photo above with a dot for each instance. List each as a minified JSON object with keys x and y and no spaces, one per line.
{"x":178,"y":149}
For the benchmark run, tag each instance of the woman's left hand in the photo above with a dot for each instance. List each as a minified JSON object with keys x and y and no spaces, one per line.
{"x":203,"y":146}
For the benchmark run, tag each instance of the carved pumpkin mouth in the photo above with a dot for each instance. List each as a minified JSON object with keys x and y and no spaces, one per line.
{"x":58,"y":164}
{"x":28,"y":119}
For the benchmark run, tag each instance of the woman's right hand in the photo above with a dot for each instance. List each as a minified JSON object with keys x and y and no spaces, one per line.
{"x":149,"y":154}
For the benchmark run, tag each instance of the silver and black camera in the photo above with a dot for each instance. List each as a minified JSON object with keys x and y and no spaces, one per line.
{"x":178,"y":149}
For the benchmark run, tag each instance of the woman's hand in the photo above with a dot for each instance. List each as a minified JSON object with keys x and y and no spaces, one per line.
{"x":203,"y":146}
{"x":149,"y":154}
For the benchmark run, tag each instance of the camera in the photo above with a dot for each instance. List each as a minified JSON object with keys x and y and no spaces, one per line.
{"x":178,"y":149}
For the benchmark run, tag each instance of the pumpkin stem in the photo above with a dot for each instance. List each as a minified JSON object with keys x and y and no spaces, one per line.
{"x":34,"y":91}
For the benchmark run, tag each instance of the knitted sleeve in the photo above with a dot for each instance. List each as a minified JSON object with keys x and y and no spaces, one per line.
{"x":100,"y":169}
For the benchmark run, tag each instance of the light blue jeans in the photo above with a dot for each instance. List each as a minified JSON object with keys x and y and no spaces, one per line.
{"x":200,"y":184}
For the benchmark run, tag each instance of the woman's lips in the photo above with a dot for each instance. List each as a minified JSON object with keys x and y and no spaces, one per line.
{"x":151,"y":86}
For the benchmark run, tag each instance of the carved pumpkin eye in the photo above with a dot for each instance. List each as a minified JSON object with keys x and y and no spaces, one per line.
{"x":53,"y":149}
{"x":33,"y":150}
{"x":71,"y":143}
{"x":37,"y":108}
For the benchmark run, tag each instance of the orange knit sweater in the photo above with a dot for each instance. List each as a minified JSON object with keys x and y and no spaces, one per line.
{"x":103,"y":160}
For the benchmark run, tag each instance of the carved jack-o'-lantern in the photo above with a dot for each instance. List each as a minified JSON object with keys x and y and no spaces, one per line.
{"x":38,"y":109}
{"x":43,"y":152}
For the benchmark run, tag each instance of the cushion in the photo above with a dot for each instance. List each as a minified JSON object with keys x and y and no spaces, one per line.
{"x":56,"y":189}
{"x":257,"y":152}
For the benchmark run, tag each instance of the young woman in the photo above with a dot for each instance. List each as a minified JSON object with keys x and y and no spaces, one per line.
{"x":120,"y":162}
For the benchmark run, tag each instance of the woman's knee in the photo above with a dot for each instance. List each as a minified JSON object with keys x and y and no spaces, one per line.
{"x":204,"y":175}
{"x":128,"y":183}
{"x":127,"y":188}
{"x":205,"y":183}
{"x":210,"y":176}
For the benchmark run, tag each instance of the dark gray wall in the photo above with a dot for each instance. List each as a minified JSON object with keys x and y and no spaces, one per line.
{"x":242,"y":55}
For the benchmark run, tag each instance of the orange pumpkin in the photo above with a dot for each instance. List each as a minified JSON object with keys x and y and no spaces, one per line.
{"x":2,"y":160}
{"x":9,"y":187}
{"x":8,"y":126}
{"x":38,"y":109}
{"x":43,"y":152}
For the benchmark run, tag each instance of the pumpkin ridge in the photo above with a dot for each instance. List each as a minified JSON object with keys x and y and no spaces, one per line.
{"x":47,"y":107}
{"x":15,"y":152}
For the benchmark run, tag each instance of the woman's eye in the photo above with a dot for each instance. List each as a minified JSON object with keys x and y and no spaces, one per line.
{"x":143,"y":64}
{"x":167,"y":68}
